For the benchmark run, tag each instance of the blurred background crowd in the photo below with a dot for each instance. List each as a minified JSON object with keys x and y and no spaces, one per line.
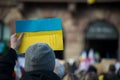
{"x":91,"y":31}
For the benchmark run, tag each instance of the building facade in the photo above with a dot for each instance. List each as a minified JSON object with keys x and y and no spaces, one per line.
{"x":76,"y":16}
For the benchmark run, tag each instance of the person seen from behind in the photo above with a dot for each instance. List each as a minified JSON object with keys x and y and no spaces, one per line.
{"x":111,"y":73}
{"x":39,"y":60}
{"x":91,"y":76}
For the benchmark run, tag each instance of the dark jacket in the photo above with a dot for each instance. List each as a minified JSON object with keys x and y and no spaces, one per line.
{"x":110,"y":76}
{"x":7,"y":63}
{"x":40,"y":75}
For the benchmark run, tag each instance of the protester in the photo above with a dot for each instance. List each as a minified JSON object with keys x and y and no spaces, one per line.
{"x":8,"y":60}
{"x":39,"y":61}
{"x":91,"y":76}
{"x":18,"y":71}
{"x":70,"y":67}
{"x":117,"y":64}
{"x":111,"y":73}
{"x":59,"y":69}
{"x":110,"y":77}
{"x":112,"y":69}
{"x":81,"y":75}
{"x":118,"y":74}
{"x":92,"y":69}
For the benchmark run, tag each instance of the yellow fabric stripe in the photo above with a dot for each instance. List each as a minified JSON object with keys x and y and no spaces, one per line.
{"x":53,"y":38}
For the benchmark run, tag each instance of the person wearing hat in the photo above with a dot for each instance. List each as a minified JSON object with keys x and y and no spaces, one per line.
{"x":39,"y":60}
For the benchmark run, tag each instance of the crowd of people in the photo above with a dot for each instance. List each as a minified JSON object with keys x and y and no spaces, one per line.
{"x":41,"y":64}
{"x":91,"y":73}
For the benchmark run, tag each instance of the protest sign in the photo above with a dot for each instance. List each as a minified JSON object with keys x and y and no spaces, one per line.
{"x":43,"y":30}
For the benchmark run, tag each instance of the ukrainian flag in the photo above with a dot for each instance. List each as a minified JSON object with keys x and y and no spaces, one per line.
{"x":43,"y":30}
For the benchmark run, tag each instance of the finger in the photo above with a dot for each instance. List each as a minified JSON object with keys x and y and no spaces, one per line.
{"x":14,"y":35}
{"x":20,"y":37}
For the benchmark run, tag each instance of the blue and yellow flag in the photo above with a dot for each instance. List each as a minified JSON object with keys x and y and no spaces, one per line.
{"x":43,"y":30}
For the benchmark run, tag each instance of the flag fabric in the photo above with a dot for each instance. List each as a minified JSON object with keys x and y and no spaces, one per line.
{"x":43,"y":30}
{"x":83,"y":62}
{"x":91,"y":57}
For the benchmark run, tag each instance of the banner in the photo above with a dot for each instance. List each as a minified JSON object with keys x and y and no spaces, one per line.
{"x":43,"y":30}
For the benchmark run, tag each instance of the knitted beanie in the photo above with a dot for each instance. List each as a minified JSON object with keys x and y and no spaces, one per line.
{"x":39,"y":57}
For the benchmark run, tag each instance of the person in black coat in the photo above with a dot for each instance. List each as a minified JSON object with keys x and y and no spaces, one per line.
{"x":8,"y":60}
{"x":39,"y":61}
{"x":7,"y":63}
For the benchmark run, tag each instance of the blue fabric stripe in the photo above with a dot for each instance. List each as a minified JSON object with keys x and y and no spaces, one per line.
{"x":50,"y":24}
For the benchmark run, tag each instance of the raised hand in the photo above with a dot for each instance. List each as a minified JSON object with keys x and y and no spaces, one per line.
{"x":15,"y":41}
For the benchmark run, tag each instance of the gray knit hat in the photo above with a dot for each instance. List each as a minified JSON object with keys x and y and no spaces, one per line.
{"x":39,"y":57}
